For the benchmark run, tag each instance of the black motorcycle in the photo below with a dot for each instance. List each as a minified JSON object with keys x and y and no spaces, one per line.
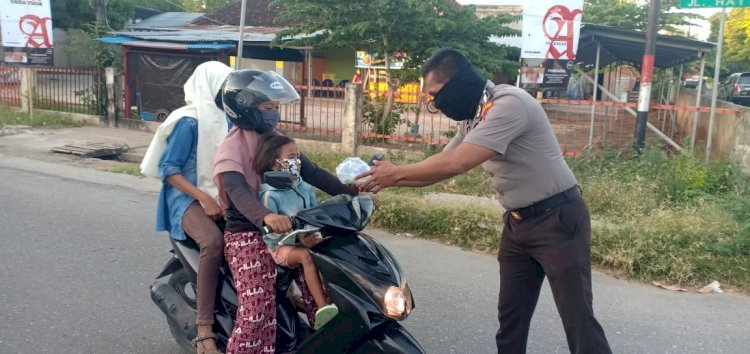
{"x":359,"y":274}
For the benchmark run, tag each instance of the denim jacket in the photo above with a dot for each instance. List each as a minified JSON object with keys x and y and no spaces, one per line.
{"x":179,"y":157}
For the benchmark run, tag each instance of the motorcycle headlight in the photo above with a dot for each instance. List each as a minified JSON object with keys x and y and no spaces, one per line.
{"x":397,"y":302}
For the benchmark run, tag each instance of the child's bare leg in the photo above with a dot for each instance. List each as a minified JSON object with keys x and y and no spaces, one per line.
{"x":301,"y":257}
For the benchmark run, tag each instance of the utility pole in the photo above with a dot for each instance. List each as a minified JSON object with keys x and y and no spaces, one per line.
{"x":241,"y":39}
{"x":647,"y":71}
{"x":715,"y":89}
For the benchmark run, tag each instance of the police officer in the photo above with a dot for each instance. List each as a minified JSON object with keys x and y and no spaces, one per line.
{"x":547,"y":229}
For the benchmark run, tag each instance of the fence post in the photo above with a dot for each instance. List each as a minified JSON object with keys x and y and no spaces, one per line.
{"x":741,"y":151}
{"x":352,"y":118}
{"x":119,"y":77}
{"x":109,"y":80}
{"x":27,"y":90}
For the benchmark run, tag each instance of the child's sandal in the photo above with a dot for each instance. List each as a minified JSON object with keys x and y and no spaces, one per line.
{"x":200,"y":339}
{"x":324,"y":315}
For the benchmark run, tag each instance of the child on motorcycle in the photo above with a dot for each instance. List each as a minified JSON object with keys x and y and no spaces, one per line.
{"x":280,"y":153}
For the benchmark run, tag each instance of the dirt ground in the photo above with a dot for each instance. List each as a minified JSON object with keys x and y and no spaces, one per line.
{"x":36,"y":144}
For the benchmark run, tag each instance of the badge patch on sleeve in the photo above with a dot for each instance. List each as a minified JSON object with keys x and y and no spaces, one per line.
{"x":487,"y":108}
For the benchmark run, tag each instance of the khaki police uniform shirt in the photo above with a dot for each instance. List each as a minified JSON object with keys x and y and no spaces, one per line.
{"x":529,"y":165}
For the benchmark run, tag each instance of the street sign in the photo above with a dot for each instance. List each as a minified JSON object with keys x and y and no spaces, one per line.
{"x":696,"y":4}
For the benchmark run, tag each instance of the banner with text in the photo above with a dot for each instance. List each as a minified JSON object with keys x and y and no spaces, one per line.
{"x":364,"y":59}
{"x":27,"y":32}
{"x":557,"y":74}
{"x":551,"y":29}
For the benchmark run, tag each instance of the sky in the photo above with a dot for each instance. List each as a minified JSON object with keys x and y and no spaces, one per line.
{"x":702,"y":28}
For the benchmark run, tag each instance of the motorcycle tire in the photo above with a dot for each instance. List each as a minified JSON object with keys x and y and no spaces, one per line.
{"x":183,"y":342}
{"x":180,"y":281}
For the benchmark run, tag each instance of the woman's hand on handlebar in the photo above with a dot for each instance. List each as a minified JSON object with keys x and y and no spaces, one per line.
{"x":280,"y":224}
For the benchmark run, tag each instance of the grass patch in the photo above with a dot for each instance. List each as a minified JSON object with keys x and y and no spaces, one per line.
{"x":461,"y":226}
{"x":11,"y":116}
{"x":128,"y":169}
{"x":672,"y":218}
{"x":666,"y":218}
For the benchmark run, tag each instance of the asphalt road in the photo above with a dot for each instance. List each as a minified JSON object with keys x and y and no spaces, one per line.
{"x":78,"y":253}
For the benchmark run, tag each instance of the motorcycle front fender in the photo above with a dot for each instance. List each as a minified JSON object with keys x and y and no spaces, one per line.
{"x":390,"y":337}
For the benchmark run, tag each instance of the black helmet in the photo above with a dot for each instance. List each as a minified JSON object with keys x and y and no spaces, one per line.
{"x":244,"y":90}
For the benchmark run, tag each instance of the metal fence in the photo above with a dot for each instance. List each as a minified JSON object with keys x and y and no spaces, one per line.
{"x":10,"y":85}
{"x":571,"y":120}
{"x":614,"y":127}
{"x":412,"y":120}
{"x":77,"y":90}
{"x":318,"y":115}
{"x":69,"y":90}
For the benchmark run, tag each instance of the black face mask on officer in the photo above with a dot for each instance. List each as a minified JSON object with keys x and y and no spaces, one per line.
{"x":459,"y":98}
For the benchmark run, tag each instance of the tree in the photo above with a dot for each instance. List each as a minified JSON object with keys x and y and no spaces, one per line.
{"x":713,"y":20}
{"x":619,"y":13}
{"x":628,"y":14}
{"x":737,"y":40}
{"x":388,"y":27}
{"x":202,"y":5}
{"x":76,"y":14}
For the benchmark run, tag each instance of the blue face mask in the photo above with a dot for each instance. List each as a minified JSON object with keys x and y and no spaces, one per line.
{"x":269,"y":120}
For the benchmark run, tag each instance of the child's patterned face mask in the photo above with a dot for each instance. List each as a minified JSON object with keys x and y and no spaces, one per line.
{"x":293,"y":166}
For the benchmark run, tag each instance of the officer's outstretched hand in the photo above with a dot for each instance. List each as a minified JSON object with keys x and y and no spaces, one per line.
{"x":380,"y":176}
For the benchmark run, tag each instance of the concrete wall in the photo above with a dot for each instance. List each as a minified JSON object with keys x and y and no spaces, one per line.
{"x":741,"y":153}
{"x":725,"y":125}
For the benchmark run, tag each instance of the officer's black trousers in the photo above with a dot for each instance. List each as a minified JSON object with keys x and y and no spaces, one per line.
{"x":557,"y":244}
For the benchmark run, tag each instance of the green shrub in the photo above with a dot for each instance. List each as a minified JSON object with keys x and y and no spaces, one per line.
{"x":677,"y":246}
{"x":372,"y":116}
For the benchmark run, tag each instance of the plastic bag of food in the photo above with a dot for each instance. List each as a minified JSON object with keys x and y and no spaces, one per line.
{"x":350,"y":168}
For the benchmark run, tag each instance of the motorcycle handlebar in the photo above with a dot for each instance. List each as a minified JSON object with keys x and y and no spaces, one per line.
{"x":377,"y":157}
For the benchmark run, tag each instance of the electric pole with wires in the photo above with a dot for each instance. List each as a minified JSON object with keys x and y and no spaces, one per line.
{"x":647,"y":71}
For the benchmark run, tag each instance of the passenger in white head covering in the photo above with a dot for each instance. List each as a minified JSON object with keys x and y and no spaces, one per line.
{"x":182,"y":154}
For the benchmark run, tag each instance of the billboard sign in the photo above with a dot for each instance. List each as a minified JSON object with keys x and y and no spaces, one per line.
{"x":27,"y":32}
{"x":551,"y":29}
{"x":367,"y":60}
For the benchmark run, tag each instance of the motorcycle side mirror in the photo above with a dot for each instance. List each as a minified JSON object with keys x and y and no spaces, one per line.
{"x":278,"y":179}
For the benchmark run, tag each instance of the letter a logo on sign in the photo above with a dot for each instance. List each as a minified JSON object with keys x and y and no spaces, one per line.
{"x":36,"y":28}
{"x":551,"y":29}
{"x":559,"y":27}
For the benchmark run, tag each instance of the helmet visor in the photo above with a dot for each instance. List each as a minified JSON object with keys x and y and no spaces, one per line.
{"x":275,"y":87}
